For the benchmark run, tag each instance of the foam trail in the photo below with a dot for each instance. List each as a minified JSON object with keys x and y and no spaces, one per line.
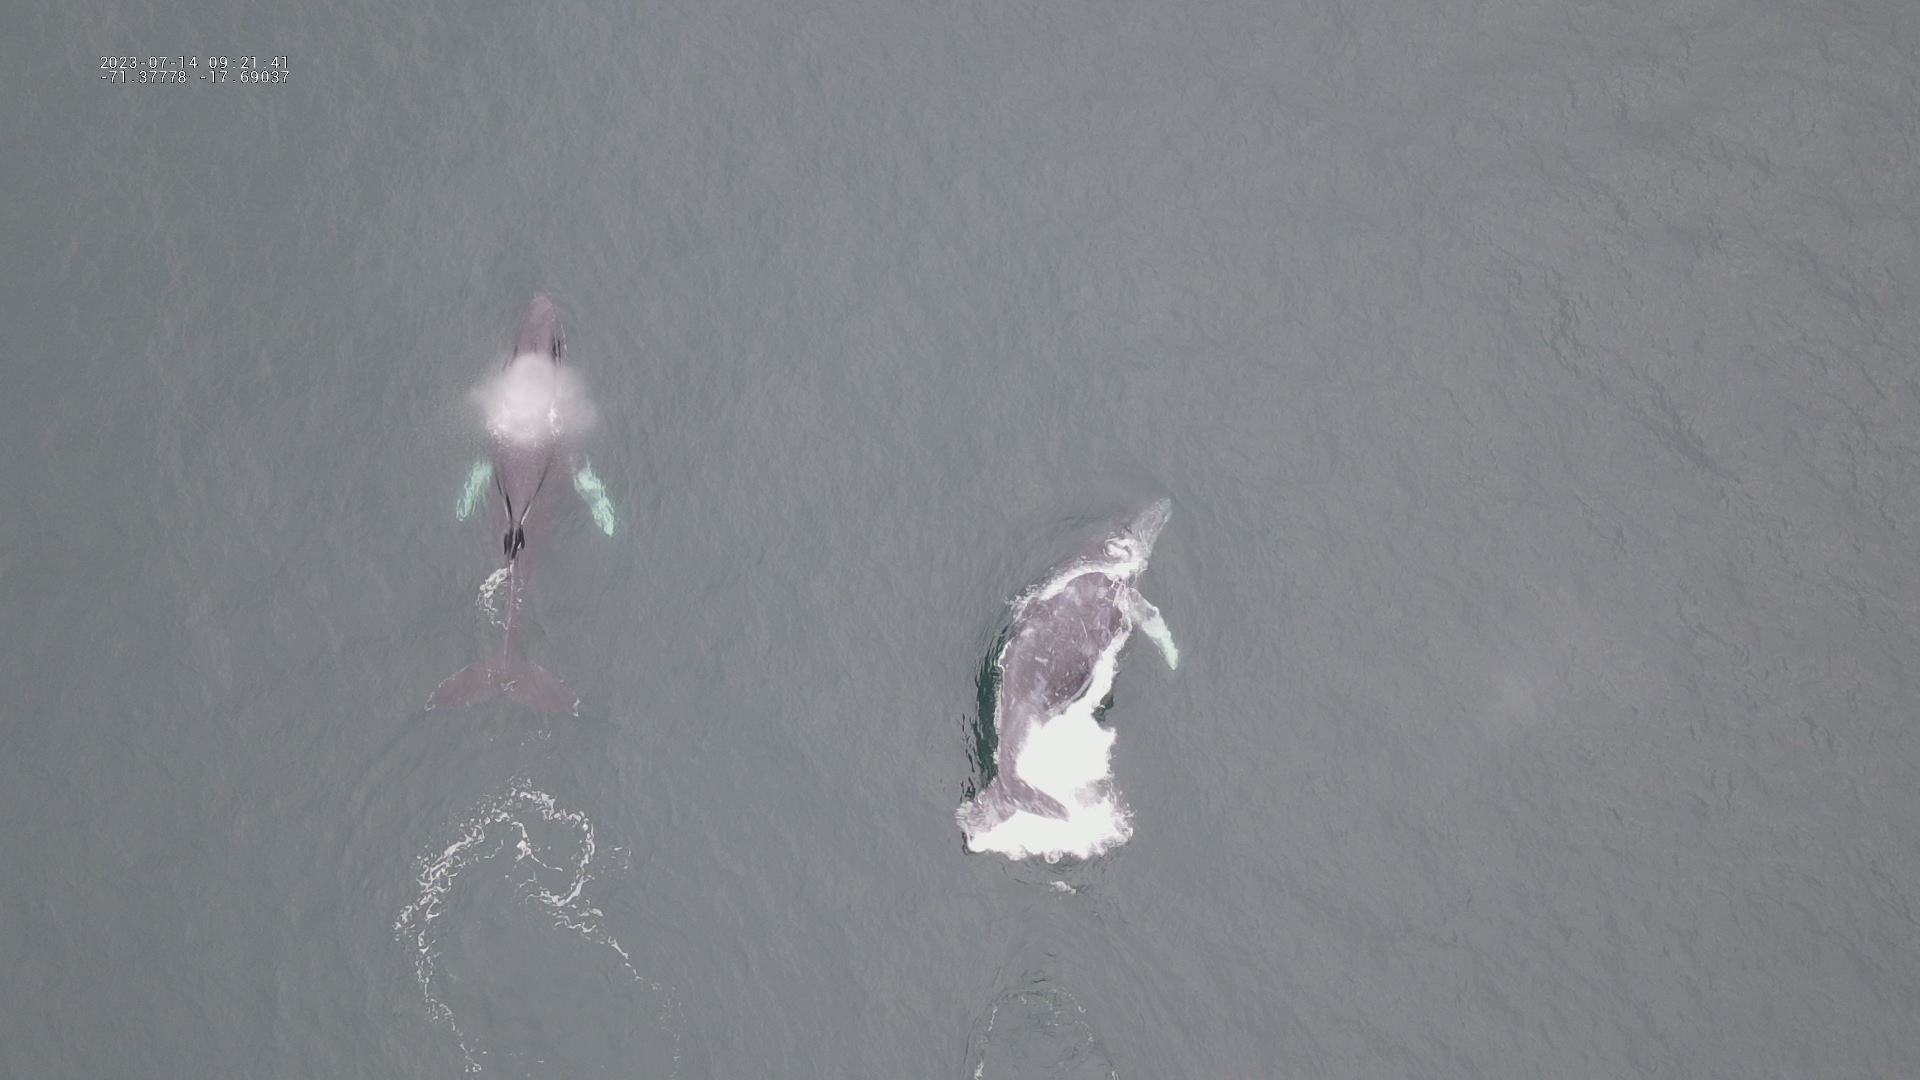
{"x":556,"y":887}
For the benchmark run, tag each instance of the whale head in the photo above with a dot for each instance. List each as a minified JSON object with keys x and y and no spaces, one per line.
{"x":540,"y":333}
{"x":536,"y":400}
{"x":1133,"y":544}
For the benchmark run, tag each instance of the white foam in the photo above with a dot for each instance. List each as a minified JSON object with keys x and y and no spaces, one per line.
{"x":551,"y":876}
{"x":489,"y":590}
{"x":534,"y":400}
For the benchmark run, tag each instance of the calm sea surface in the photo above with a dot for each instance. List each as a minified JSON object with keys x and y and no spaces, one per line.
{"x":1536,"y":385}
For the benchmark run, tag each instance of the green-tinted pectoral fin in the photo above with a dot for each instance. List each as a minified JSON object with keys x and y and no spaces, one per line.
{"x":477,"y":479}
{"x":594,"y":493}
{"x":1147,"y":617}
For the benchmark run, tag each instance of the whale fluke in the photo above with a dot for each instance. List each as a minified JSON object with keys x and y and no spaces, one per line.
{"x":523,"y":680}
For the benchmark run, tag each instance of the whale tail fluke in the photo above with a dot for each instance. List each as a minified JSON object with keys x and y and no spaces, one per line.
{"x":537,"y":688}
{"x":468,"y":686}
{"x":523,"y":680}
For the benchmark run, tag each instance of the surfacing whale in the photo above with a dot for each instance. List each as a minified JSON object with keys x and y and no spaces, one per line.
{"x":1051,"y":793}
{"x":531,"y":407}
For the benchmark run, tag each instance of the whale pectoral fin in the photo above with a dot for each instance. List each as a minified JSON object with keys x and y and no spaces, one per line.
{"x":594,"y":494}
{"x":468,"y":686}
{"x":1157,"y":632}
{"x":476,"y":488}
{"x":1147,"y":617}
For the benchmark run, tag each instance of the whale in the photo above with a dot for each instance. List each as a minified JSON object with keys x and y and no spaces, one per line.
{"x":530,"y":407}
{"x":1050,"y":790}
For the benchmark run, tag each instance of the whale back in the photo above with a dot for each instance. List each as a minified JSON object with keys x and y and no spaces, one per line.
{"x":1058,"y":641}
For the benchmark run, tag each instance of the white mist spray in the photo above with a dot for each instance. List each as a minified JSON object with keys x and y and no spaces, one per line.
{"x":534,"y":400}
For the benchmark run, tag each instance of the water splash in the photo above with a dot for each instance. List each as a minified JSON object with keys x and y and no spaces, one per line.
{"x":489,"y":589}
{"x":551,"y":877}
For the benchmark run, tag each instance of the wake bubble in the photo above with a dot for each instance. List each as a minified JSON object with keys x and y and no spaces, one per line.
{"x":549,"y":852}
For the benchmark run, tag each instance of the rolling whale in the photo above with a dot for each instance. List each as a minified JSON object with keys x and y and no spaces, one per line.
{"x":531,"y":408}
{"x":1051,"y":791}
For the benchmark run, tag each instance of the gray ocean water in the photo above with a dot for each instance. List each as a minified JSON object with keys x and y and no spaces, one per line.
{"x":1535,"y":383}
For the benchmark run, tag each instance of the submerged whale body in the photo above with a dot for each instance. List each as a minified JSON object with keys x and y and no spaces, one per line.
{"x":1051,"y":794}
{"x":530,"y":408}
